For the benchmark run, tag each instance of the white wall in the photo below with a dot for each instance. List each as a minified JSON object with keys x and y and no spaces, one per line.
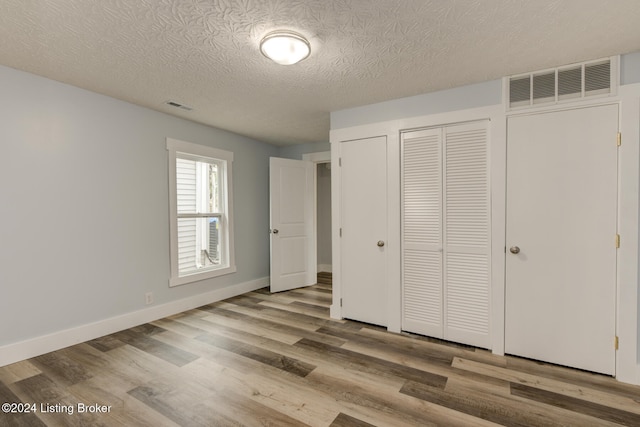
{"x":84,"y":230}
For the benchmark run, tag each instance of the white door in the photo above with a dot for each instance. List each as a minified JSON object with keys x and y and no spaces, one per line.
{"x":561,"y":234}
{"x":364,"y":229}
{"x":293,"y":246}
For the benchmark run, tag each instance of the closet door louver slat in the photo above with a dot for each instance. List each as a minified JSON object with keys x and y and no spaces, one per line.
{"x":467,"y":234}
{"x":422,"y":233}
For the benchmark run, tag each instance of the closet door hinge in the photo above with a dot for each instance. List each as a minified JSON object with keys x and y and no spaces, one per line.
{"x":341,"y":304}
{"x":616,"y":342}
{"x":340,"y":231}
{"x":617,"y":241}
{"x":339,"y":161}
{"x":619,"y":139}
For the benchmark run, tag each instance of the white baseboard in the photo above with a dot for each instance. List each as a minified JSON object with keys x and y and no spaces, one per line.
{"x":26,"y":349}
{"x":324,"y":267}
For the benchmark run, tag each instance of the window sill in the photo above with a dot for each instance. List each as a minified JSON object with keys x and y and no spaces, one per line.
{"x":196,"y":277}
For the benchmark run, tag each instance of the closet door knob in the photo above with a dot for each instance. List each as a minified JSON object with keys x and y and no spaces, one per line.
{"x":514,"y":249}
{"x":380,"y":243}
{"x":275,"y":231}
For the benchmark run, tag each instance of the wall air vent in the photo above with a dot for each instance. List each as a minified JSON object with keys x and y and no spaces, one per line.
{"x":178,"y":105}
{"x":571,"y":82}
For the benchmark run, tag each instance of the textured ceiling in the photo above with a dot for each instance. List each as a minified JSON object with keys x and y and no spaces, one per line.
{"x":204,"y":53}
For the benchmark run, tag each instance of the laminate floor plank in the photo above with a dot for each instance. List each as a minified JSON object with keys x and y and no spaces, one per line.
{"x":213,"y":320}
{"x":18,"y":371}
{"x":427,"y":364}
{"x":564,"y":388}
{"x":324,"y":309}
{"x":181,"y":328}
{"x":277,"y":325}
{"x":263,"y":359}
{"x":123,"y":409}
{"x":580,"y":406}
{"x":371,"y":364}
{"x":18,"y":418}
{"x":61,"y":369}
{"x":267,"y":357}
{"x":269,"y":389}
{"x":106,"y":343}
{"x":435,"y":348}
{"x":324,"y":315}
{"x":159,"y":349}
{"x":309,"y":356}
{"x":561,"y":373}
{"x":56,"y":406}
{"x":397,"y":408}
{"x":499,"y":409}
{"x":344,"y":420}
{"x":195,"y":406}
{"x":308,"y":323}
{"x":312,"y":295}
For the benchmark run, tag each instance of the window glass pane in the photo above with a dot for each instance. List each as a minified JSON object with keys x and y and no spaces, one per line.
{"x":198,"y":186}
{"x":186,"y":185}
{"x":214,"y":188}
{"x":199,"y":244}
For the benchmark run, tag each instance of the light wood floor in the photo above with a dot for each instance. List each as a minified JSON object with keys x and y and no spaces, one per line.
{"x":278,"y":360}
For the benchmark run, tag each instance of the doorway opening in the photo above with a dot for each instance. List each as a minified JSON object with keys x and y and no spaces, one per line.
{"x":323,"y":219}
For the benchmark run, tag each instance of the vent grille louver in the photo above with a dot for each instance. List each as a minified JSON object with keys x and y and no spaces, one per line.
{"x":597,"y":77}
{"x":544,"y":87}
{"x":178,"y":105}
{"x":570,"y":83}
{"x":564,"y":83}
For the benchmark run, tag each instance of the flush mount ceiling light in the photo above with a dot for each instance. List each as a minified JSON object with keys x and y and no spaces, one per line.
{"x":285,"y":47}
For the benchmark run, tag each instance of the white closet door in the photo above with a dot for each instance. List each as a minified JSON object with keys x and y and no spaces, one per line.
{"x":446,"y":233}
{"x":363,"y":178}
{"x":467,"y":234}
{"x":562,"y":210}
{"x":422,"y":232}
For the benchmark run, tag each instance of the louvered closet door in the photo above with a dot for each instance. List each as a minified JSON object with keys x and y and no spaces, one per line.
{"x":466,"y":234}
{"x":446,"y":234}
{"x":422,"y":296}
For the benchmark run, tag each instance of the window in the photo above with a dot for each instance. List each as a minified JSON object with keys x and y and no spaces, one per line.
{"x":201,"y":217}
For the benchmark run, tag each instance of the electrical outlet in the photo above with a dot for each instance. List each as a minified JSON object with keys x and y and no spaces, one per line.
{"x":148,"y":298}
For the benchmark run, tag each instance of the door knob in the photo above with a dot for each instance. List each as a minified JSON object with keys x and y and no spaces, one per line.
{"x":275,"y":231}
{"x":514,"y":249}
{"x":380,"y":243}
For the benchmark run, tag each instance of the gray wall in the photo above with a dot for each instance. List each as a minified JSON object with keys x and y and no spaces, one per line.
{"x":84,"y":206}
{"x":630,"y":68}
{"x":296,"y":151}
{"x":460,"y":98}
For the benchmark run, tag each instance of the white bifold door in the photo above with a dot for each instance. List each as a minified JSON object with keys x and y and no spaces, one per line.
{"x":292,"y":204}
{"x":561,"y":237}
{"x":446,"y":233}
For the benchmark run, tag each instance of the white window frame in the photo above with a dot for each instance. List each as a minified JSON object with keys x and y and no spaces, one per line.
{"x":191,"y":151}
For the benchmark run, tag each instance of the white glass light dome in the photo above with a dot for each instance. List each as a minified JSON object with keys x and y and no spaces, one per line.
{"x":285,"y":47}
